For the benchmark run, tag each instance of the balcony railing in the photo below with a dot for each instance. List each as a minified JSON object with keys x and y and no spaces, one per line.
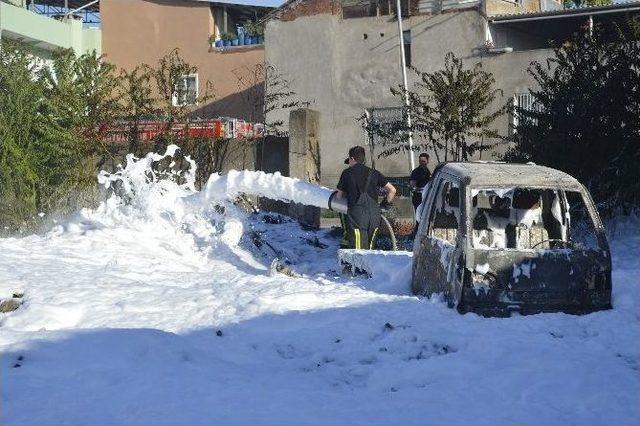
{"x":46,"y":34}
{"x":87,"y":11}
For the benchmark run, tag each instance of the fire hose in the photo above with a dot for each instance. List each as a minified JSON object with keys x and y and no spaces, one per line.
{"x":338,"y":205}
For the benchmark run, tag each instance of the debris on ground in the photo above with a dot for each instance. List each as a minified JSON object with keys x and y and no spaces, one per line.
{"x":10,"y":305}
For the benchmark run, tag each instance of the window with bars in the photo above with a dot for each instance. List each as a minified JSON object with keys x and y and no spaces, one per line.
{"x":523,"y":101}
{"x":186,"y":90}
{"x":367,"y":8}
{"x":385,"y":125}
{"x":406,"y":40}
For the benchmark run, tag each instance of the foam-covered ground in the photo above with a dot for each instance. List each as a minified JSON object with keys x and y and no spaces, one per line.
{"x":163,"y":311}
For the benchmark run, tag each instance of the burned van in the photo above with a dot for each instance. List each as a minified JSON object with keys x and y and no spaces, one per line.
{"x":497,"y":237}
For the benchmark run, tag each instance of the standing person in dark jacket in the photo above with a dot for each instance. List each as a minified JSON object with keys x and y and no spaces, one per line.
{"x":359,"y":184}
{"x":419,"y":178}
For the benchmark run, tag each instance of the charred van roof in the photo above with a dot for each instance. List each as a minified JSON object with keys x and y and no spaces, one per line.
{"x":487,"y":173}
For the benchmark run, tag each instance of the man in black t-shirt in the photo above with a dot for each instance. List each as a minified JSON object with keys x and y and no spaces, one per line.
{"x":419,"y":178}
{"x":359,"y":184}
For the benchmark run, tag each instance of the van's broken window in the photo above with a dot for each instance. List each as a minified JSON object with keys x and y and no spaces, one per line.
{"x":445,"y":219}
{"x":526,"y":218}
{"x":581,"y":228}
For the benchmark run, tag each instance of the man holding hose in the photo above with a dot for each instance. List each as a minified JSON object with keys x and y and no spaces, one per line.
{"x":359,"y":184}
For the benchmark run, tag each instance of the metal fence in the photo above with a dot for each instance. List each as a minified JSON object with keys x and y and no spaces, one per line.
{"x":385,"y":119}
{"x":402,"y":185}
{"x":435,"y":6}
{"x":524,"y":101}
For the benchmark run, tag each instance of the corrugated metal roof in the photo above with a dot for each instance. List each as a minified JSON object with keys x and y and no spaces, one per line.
{"x":261,"y":3}
{"x":593,"y":10}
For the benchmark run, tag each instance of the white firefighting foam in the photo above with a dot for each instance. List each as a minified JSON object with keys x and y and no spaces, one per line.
{"x":151,"y":309}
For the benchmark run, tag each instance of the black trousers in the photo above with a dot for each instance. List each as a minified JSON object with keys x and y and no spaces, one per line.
{"x":344,"y":241}
{"x":416,"y":199}
{"x":356,"y":237}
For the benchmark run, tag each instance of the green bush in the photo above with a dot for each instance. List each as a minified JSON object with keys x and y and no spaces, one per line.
{"x":54,"y":119}
{"x":49,"y":138}
{"x":586,"y":119}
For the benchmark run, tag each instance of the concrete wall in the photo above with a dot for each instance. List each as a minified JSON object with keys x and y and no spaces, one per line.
{"x":500,"y":7}
{"x":304,"y":159}
{"x":508,"y":7}
{"x":331,"y":63}
{"x":142,"y":31}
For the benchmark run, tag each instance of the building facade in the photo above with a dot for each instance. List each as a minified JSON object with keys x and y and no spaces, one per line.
{"x":344,"y":56}
{"x":142,"y":31}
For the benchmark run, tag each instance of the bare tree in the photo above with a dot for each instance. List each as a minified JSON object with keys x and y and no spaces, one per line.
{"x":267,"y":90}
{"x":168,"y":74}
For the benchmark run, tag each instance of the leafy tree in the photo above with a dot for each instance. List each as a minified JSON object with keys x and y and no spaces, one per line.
{"x":587,"y":115}
{"x":448,"y":111}
{"x":267,"y":92}
{"x":20,"y":103}
{"x":81,"y":93}
{"x":82,"y":88}
{"x":586,"y":3}
{"x":138,"y":102}
{"x":49,"y":123}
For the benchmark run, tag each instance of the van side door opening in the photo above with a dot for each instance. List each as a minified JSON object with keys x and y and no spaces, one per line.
{"x":438,"y":238}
